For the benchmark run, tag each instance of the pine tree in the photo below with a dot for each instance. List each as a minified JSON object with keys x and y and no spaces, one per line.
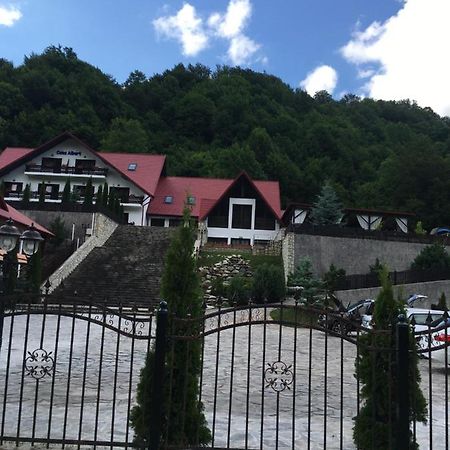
{"x":105,"y":197}
{"x":181,"y":290}
{"x":327,"y":209}
{"x":66,"y":194}
{"x":26,"y":195}
{"x":88,"y":193}
{"x":99,"y":197}
{"x":41,"y":193}
{"x":376,"y":367}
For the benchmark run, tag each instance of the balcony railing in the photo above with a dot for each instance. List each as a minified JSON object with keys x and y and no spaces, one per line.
{"x":135,"y":199}
{"x":37,"y":168}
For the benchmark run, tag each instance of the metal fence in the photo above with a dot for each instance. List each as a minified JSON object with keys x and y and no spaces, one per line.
{"x":271,"y":376}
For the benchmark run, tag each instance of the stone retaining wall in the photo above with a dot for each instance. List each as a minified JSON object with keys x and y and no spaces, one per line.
{"x":103,"y":228}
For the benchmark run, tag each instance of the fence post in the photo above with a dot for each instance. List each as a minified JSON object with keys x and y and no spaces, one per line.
{"x":403,"y":383}
{"x":158,"y":377}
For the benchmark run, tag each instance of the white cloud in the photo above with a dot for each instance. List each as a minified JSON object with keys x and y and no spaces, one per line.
{"x":410,"y":49}
{"x":322,"y":78}
{"x":241,"y":49}
{"x":9,"y":15}
{"x":186,"y":27}
{"x":195,"y":35}
{"x":234,"y":21}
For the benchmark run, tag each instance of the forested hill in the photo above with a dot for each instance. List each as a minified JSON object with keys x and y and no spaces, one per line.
{"x":216,"y":122}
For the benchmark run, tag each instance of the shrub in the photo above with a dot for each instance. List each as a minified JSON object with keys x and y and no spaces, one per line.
{"x":26,"y":195}
{"x":66,"y":195}
{"x":332,"y":278}
{"x":268,"y":284}
{"x":88,"y":193}
{"x":303,"y":276}
{"x":218,"y":288}
{"x":59,"y":230}
{"x":419,"y":230}
{"x":375,"y":368}
{"x":432,"y":257}
{"x":239,"y":291}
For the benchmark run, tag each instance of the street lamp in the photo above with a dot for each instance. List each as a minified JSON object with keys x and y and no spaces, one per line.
{"x":9,"y":235}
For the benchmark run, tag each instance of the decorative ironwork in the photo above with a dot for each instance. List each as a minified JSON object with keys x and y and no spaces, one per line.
{"x":39,"y":364}
{"x":278,"y":376}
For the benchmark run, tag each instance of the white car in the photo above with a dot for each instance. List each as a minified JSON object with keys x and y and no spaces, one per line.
{"x":433,"y":339}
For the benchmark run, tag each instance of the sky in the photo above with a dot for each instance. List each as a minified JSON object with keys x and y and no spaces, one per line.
{"x":384,"y":49}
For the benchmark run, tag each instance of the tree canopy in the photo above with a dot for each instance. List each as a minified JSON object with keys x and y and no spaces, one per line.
{"x":376,"y":154}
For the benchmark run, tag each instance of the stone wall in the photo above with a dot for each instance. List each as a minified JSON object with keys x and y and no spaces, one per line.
{"x":432,"y":289}
{"x":103,"y":228}
{"x":288,"y":254}
{"x":354,"y":255}
{"x":80,"y":220}
{"x":231,"y":266}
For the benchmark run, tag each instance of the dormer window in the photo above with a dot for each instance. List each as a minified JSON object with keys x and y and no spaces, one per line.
{"x":191,"y":200}
{"x":168,"y":199}
{"x":132,"y":167}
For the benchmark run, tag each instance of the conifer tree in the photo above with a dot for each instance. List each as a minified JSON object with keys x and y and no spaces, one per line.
{"x":41,"y":193}
{"x":105,"y":194}
{"x":26,"y":195}
{"x":99,"y":197}
{"x":327,"y":209}
{"x":66,"y":194}
{"x":376,"y":368}
{"x":88,"y":192}
{"x":181,"y":290}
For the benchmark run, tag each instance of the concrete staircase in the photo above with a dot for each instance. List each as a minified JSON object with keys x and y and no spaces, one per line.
{"x":126,"y":270}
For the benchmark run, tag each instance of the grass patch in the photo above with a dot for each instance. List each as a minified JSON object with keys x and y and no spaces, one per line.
{"x":305,"y":317}
{"x":207,"y":258}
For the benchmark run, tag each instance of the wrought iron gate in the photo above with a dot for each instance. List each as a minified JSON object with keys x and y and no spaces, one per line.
{"x":69,"y":370}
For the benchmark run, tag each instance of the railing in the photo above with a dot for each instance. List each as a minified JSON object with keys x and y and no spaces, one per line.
{"x":359,"y":233}
{"x":369,"y":280}
{"x":100,"y":171}
{"x":137,"y":199}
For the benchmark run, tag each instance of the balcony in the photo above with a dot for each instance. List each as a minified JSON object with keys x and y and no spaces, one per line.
{"x":53,"y":197}
{"x":37,"y":169}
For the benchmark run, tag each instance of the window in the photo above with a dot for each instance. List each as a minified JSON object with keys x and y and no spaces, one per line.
{"x":13,"y":189}
{"x":191,"y":200}
{"x":156,"y":222}
{"x":132,"y":167}
{"x":242,"y":216}
{"x":168,"y":199}
{"x":174,"y":222}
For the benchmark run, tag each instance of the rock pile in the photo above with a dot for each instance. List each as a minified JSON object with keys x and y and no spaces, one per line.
{"x":231,"y":266}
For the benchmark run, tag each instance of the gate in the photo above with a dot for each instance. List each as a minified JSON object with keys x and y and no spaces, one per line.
{"x":69,"y":369}
{"x":271,"y":376}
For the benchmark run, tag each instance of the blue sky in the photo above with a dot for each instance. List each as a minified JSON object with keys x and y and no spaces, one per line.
{"x":391,"y":49}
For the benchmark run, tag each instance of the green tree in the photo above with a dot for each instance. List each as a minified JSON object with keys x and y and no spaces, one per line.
{"x":332,"y":278}
{"x":66,"y":194}
{"x":125,"y":135}
{"x":105,"y":194}
{"x":303,"y":276}
{"x":180,"y":287}
{"x":268,"y":284}
{"x":57,"y":227}
{"x":26,"y":195}
{"x":376,"y":367}
{"x":239,"y":290}
{"x":88,"y":192}
{"x":327,"y":209}
{"x":99,"y":196}
{"x":41,"y":193}
{"x":442,"y":304}
{"x":433,"y":256}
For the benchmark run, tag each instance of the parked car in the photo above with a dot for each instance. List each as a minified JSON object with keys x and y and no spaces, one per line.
{"x":432,"y":339}
{"x":348,"y":318}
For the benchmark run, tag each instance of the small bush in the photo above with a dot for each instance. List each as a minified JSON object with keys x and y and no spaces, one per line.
{"x":218,"y":289}
{"x":432,"y":257}
{"x":268,"y":284}
{"x":239,"y":290}
{"x":59,"y":230}
{"x":332,"y":278}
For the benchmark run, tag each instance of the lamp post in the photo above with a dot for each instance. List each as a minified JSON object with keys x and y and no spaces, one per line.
{"x":9,"y":236}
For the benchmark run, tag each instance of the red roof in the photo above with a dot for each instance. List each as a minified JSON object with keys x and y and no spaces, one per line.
{"x":7,"y":212}
{"x":207,"y":192}
{"x":148,"y":168}
{"x":11,"y":154}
